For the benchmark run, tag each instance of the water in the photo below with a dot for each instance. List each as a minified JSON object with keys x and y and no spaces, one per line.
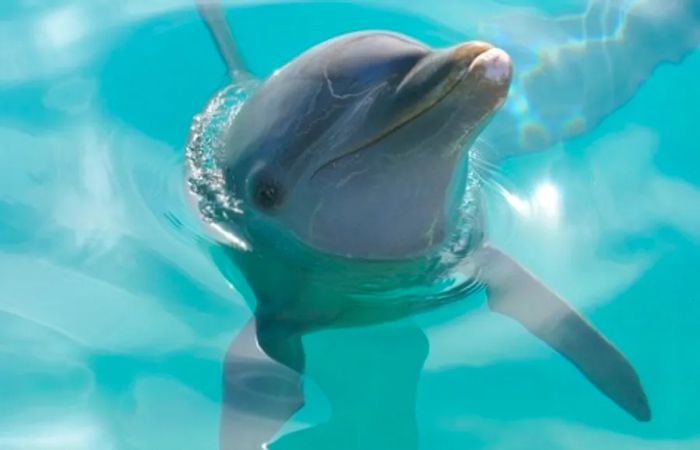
{"x":116,"y":314}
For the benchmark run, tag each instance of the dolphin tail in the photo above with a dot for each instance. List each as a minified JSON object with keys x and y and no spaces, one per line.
{"x":514,"y":292}
{"x":260,"y":392}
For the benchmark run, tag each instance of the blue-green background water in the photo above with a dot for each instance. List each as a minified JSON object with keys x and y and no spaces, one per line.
{"x":114,"y":318}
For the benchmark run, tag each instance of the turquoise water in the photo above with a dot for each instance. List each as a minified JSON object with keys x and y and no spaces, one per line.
{"x":115,"y":317}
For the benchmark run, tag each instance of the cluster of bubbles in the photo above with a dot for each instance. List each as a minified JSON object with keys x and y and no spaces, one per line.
{"x":205,"y":179}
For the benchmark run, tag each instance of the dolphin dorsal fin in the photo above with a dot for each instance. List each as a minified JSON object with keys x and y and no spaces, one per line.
{"x":213,"y":15}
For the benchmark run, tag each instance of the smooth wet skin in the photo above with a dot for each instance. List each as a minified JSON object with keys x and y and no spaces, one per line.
{"x":337,"y":139}
{"x":352,"y":164}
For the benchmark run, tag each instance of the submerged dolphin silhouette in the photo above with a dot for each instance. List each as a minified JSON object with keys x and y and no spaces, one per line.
{"x":353,"y":167}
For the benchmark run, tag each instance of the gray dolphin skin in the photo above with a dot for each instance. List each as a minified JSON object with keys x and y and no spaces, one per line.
{"x":353,"y":165}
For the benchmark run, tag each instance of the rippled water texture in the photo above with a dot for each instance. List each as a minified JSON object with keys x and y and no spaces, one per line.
{"x":115,"y":312}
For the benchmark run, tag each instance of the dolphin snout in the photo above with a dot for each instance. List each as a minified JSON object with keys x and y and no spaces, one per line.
{"x":469,"y":51}
{"x":496,"y":65}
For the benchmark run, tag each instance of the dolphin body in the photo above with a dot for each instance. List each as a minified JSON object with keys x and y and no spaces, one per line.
{"x":355,"y":176}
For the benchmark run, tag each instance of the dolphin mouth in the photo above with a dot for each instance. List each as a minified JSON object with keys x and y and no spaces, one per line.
{"x":465,"y":59}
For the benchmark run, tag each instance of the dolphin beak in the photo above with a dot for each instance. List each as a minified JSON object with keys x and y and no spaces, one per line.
{"x":469,"y":51}
{"x":493,"y":63}
{"x":484,"y":74}
{"x":437,"y":74}
{"x":476,"y":68}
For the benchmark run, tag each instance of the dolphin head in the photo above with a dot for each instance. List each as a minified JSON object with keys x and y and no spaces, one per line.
{"x":359,"y":145}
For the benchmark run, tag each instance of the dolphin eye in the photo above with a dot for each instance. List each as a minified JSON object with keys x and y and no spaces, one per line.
{"x":266,"y":194}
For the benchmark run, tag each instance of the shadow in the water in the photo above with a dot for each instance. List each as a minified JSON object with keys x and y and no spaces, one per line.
{"x":369,"y":376}
{"x":366,"y":358}
{"x":259,"y":393}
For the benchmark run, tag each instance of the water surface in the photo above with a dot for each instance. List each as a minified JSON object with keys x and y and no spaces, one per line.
{"x":114,"y":317}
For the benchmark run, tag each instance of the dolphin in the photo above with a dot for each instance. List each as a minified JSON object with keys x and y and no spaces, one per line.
{"x":354,"y":176}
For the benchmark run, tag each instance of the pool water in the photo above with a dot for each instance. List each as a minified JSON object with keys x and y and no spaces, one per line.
{"x":115,"y":312}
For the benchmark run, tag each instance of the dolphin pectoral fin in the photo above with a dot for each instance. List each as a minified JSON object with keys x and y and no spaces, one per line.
{"x":260,"y":394}
{"x":514,"y":292}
